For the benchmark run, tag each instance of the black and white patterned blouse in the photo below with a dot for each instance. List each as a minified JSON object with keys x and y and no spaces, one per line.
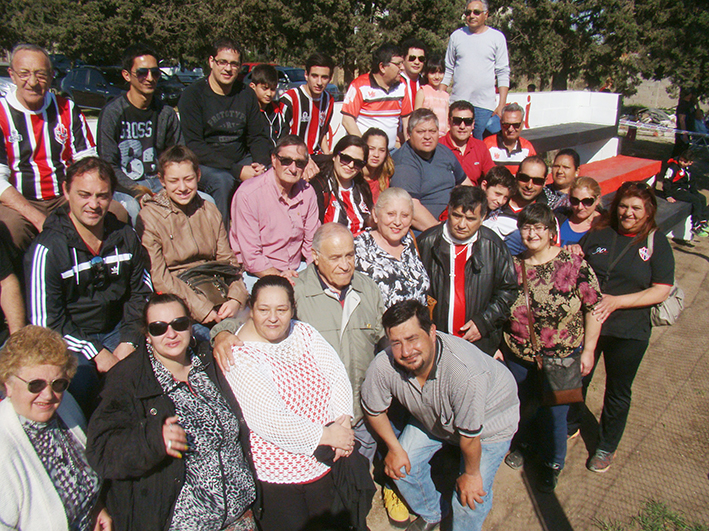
{"x":398,"y":280}
{"x":218,"y":485}
{"x":64,"y":460}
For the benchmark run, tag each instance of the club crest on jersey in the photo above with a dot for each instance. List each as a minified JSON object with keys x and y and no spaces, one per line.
{"x":644,"y":254}
{"x":14,"y":138}
{"x":323,"y":117}
{"x":61,"y":135}
{"x":305,"y":117}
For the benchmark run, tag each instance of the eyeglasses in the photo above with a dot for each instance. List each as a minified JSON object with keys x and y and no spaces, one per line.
{"x":524,"y":178}
{"x":99,"y":271}
{"x":287,"y":161}
{"x":516,"y":125}
{"x":142,"y":73}
{"x":397,"y":64}
{"x":223,"y":63}
{"x":419,"y":58}
{"x":458,"y":120}
{"x":538,"y":229}
{"x":24,"y":75}
{"x":347,"y":160}
{"x":476,"y":12}
{"x":586,"y":201}
{"x":159,"y":328}
{"x":37,"y":386}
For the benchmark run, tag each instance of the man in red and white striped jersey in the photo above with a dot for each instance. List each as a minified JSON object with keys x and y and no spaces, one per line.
{"x":42,"y":134}
{"x":414,"y":60}
{"x":378,"y":99}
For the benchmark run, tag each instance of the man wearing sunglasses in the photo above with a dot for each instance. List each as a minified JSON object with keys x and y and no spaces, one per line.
{"x":508,"y":148}
{"x":222,"y":123}
{"x":476,"y":59}
{"x":275,"y":216}
{"x":414,"y":61}
{"x":87,"y":277}
{"x":531,"y":177}
{"x":472,"y":153}
{"x":134,"y":129}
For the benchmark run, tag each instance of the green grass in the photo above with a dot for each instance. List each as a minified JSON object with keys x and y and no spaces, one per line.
{"x":655,"y":516}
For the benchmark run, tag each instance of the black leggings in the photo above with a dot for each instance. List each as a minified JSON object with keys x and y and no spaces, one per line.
{"x":297,"y":506}
{"x":698,"y":202}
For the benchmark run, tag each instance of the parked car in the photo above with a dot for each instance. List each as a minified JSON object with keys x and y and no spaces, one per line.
{"x":290,"y":77}
{"x":91,"y":87}
{"x":178,"y":72}
{"x":6,"y":84}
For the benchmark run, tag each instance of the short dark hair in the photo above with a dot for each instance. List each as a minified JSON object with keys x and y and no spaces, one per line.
{"x":265,"y":74}
{"x":460,"y":105}
{"x":501,"y":176}
{"x":226,"y":43}
{"x":349,"y":141}
{"x":270,"y":281}
{"x":469,"y":198}
{"x":413,"y":42}
{"x":535,"y":159}
{"x":402,"y":311}
{"x":374,"y":131}
{"x":161,"y":298}
{"x":176,"y":154}
{"x":289,"y":140}
{"x":688,"y":154}
{"x":537,"y":213}
{"x":87,"y":164}
{"x":568,"y":152}
{"x":383,"y":55}
{"x":319,"y":59}
{"x":134,"y":51}
{"x":434,"y":64}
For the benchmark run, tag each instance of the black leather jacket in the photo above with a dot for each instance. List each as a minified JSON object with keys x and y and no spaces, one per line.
{"x":490,"y":283}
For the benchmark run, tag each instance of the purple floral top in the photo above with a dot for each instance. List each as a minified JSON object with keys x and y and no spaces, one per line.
{"x":560,"y":291}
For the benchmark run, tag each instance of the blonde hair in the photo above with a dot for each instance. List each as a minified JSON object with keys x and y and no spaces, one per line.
{"x":586,"y":182}
{"x":35,"y":345}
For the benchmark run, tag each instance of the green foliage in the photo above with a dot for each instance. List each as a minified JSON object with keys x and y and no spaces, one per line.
{"x":655,"y":516}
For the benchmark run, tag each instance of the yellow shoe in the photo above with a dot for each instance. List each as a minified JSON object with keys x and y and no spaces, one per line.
{"x":396,"y":510}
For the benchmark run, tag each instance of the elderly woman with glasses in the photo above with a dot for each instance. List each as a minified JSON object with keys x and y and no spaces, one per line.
{"x":47,"y":483}
{"x":343,"y":194}
{"x":169,"y":435}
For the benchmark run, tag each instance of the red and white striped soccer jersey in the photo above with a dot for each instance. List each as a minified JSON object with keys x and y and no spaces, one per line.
{"x":348,"y":208}
{"x":309,"y":119}
{"x":372,"y":106}
{"x":37,"y":146}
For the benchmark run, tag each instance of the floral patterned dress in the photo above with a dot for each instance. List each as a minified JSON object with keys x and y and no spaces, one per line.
{"x":561,"y":291}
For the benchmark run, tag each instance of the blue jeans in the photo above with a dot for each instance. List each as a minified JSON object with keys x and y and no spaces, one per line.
{"x":548,"y":423}
{"x":485,"y":119}
{"x":221,"y":185}
{"x":418,"y":488}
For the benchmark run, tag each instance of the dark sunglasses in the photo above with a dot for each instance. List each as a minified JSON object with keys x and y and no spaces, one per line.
{"x":287,"y":161}
{"x":142,"y":73}
{"x":524,"y":178}
{"x":159,"y":328}
{"x":516,"y":125}
{"x":587,"y":201}
{"x":476,"y":12}
{"x":37,"y":386}
{"x":420,"y":58}
{"x":457,"y":120}
{"x":99,"y":271}
{"x":347,"y":160}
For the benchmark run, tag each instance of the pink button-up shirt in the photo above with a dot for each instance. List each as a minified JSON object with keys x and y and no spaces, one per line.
{"x":270,"y":230}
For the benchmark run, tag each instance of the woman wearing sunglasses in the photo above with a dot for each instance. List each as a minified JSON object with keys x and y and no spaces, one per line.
{"x":584,"y":201}
{"x":343,"y":194}
{"x":380,"y":167}
{"x":47,"y":483}
{"x":169,"y":434}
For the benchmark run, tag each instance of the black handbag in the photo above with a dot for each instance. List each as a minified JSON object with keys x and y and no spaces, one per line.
{"x":211,"y":280}
{"x":559,"y":378}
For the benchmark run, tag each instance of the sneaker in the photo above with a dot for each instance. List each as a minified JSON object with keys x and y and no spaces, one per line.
{"x":548,"y":478}
{"x":515,"y":459}
{"x":573,"y":435}
{"x":601,"y":461}
{"x":703,"y":233}
{"x":396,"y":510}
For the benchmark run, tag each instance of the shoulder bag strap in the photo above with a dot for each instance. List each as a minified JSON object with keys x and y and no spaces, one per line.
{"x":530,"y":320}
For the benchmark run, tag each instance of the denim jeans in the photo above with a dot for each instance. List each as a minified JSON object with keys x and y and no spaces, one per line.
{"x":418,"y":488}
{"x":485,"y":119}
{"x":546,"y":423}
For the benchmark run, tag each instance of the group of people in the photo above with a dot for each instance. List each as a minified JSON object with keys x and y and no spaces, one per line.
{"x":284,"y":316}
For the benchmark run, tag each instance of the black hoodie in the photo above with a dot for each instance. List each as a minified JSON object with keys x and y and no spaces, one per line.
{"x":67,"y":294}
